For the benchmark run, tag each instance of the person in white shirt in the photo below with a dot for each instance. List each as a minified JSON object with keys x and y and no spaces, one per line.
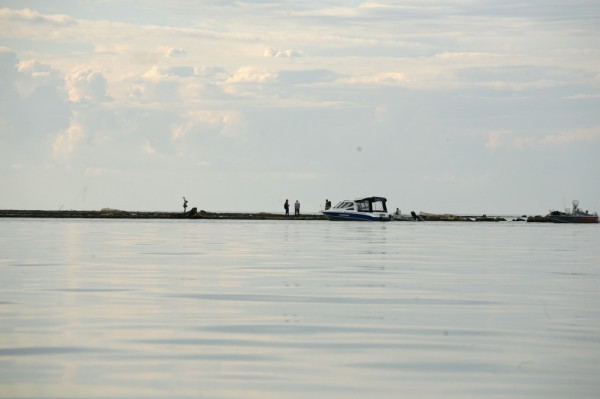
{"x":297,"y":208}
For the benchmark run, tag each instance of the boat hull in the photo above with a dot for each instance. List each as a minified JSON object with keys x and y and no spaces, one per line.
{"x":360,"y":217}
{"x":572,"y":218}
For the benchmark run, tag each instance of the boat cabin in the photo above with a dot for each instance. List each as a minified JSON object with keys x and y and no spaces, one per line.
{"x":369,"y":204}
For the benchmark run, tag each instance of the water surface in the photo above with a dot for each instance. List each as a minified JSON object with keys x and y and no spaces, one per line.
{"x":298,"y":309}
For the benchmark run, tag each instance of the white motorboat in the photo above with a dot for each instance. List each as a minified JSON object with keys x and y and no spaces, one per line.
{"x":362,"y":209}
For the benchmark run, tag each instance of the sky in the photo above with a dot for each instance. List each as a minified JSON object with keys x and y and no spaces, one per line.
{"x":446,"y":106}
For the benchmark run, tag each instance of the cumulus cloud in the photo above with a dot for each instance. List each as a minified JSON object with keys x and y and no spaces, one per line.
{"x":64,"y":144}
{"x":33,"y":17}
{"x":251,"y":75}
{"x":37,"y":74}
{"x":158,"y":73}
{"x":274,"y":53}
{"x":496,"y":139}
{"x":203,"y":122}
{"x":86,"y":86}
{"x":33,"y":107}
{"x":175,"y":52}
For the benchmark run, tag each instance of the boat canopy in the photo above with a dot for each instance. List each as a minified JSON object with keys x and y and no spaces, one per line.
{"x":372,"y":199}
{"x":371,"y":204}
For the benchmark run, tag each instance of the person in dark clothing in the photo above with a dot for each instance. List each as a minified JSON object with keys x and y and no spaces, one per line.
{"x":286,"y":206}
{"x":184,"y":204}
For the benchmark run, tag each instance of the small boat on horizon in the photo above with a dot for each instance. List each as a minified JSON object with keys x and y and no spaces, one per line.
{"x":572,"y":216}
{"x":372,"y":209}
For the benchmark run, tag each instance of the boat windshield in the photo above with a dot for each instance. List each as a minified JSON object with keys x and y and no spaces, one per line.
{"x":348,"y":205}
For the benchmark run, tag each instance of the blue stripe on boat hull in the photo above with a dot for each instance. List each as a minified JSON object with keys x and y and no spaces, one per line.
{"x":362,"y":217}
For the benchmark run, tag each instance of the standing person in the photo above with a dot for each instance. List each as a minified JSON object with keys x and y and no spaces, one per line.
{"x":297,"y":208}
{"x":286,"y":206}
{"x":184,"y":204}
{"x":327,"y":204}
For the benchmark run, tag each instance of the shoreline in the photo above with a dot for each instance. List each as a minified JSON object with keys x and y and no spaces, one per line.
{"x":194,"y":214}
{"x":119,"y":214}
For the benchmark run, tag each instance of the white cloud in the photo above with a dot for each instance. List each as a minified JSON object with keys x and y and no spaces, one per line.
{"x":202,"y":123}
{"x":582,"y":96}
{"x":250,"y":74}
{"x":382,"y":78}
{"x":175,"y":52}
{"x":572,"y":136}
{"x":64,"y":144}
{"x":507,"y":139}
{"x":158,"y":73}
{"x":86,"y":86}
{"x":33,"y":17}
{"x":274,"y":53}
{"x":496,"y":139}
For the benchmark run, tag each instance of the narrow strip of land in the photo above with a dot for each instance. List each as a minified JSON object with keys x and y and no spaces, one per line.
{"x":194,"y":214}
{"x":118,"y":214}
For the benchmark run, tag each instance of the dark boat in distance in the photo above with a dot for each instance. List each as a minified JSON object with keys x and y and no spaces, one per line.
{"x":574,"y":216}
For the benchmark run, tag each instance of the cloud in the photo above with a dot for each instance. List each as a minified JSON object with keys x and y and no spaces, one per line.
{"x":175,"y":52}
{"x":507,"y":139}
{"x":8,"y":70}
{"x":33,"y":17}
{"x":572,"y":136}
{"x":65,"y":143}
{"x":149,"y":148}
{"x":158,"y":73}
{"x":252,"y":75}
{"x":34,"y":68}
{"x":86,"y":86}
{"x":306,"y":77}
{"x":202,"y":122}
{"x":582,"y":96}
{"x":210,"y":71}
{"x":33,"y":108}
{"x":382,"y":78}
{"x":496,"y":139}
{"x":274,"y":53}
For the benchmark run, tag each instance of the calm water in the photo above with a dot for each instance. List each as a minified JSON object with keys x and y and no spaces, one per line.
{"x":277,"y":309}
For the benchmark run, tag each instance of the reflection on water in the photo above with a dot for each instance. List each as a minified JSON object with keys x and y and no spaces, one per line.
{"x":277,"y":309}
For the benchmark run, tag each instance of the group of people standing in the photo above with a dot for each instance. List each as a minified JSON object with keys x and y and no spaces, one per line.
{"x":286,"y":206}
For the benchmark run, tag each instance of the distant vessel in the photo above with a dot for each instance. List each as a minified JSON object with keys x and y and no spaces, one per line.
{"x":574,"y":216}
{"x":362,"y":209}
